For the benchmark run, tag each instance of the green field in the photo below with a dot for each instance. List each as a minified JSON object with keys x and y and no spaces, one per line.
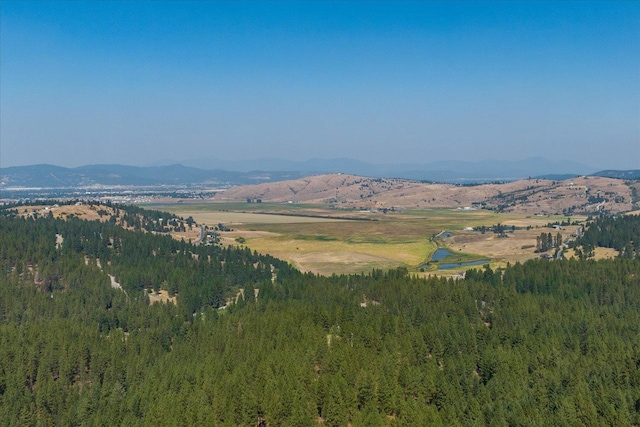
{"x":321,"y":240}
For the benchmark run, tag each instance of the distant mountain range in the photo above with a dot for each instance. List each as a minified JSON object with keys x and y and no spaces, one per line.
{"x":49,"y":176}
{"x":222,"y":173}
{"x":442,"y":171}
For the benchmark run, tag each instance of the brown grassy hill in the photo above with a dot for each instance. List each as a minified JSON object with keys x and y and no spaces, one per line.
{"x":101,"y":213}
{"x":579,"y":195}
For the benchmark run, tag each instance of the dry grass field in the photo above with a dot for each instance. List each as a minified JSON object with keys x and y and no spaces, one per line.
{"x":325,"y":245}
{"x":599,"y":253}
{"x":517,"y":246}
{"x":331,"y":245}
{"x":90,"y":213}
{"x":239,"y":218}
{"x":325,"y":240}
{"x":605,"y":253}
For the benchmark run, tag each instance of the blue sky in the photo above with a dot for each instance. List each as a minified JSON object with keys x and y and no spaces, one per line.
{"x":142,"y":82}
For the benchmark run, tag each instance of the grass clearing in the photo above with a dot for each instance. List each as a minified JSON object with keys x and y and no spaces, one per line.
{"x":605,"y":253}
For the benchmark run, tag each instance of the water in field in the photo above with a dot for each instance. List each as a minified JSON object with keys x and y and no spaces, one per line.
{"x":440,"y":254}
{"x":462,"y":264}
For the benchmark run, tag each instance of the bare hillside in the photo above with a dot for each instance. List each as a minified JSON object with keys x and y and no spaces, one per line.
{"x":533,"y":196}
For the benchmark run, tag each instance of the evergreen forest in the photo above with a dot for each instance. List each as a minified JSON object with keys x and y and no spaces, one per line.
{"x":251,"y":341}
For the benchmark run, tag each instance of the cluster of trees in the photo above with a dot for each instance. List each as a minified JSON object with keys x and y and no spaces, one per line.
{"x":621,"y":233}
{"x":149,"y":220}
{"x":546,"y":241}
{"x":562,"y":223}
{"x":537,"y":343}
{"x":497,"y":228}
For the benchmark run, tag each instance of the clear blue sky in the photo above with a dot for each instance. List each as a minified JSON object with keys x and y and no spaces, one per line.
{"x":140,"y":82}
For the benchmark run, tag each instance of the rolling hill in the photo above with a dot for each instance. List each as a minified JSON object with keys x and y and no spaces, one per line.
{"x":605,"y":191}
{"x":531,"y":196}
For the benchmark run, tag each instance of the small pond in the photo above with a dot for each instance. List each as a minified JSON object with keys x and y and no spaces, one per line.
{"x":445,"y":234}
{"x":440,"y":254}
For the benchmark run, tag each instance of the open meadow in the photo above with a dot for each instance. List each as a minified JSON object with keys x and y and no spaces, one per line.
{"x":325,"y":240}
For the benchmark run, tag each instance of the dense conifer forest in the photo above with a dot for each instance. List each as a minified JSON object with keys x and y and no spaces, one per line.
{"x":540,"y":343}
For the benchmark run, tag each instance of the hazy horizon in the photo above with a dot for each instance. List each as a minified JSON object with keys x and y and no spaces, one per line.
{"x":268,"y":164}
{"x":138,"y":83}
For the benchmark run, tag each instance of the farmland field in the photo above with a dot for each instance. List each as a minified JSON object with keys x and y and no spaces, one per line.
{"x":324,"y":240}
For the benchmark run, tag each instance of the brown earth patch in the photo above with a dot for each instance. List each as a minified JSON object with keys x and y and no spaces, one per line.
{"x":162,"y":296}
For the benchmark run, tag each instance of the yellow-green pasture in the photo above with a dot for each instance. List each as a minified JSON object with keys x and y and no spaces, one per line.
{"x":318,"y":238}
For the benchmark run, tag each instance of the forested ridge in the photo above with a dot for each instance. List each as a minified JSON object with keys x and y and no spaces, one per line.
{"x":621,"y":233}
{"x":539,"y":343}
